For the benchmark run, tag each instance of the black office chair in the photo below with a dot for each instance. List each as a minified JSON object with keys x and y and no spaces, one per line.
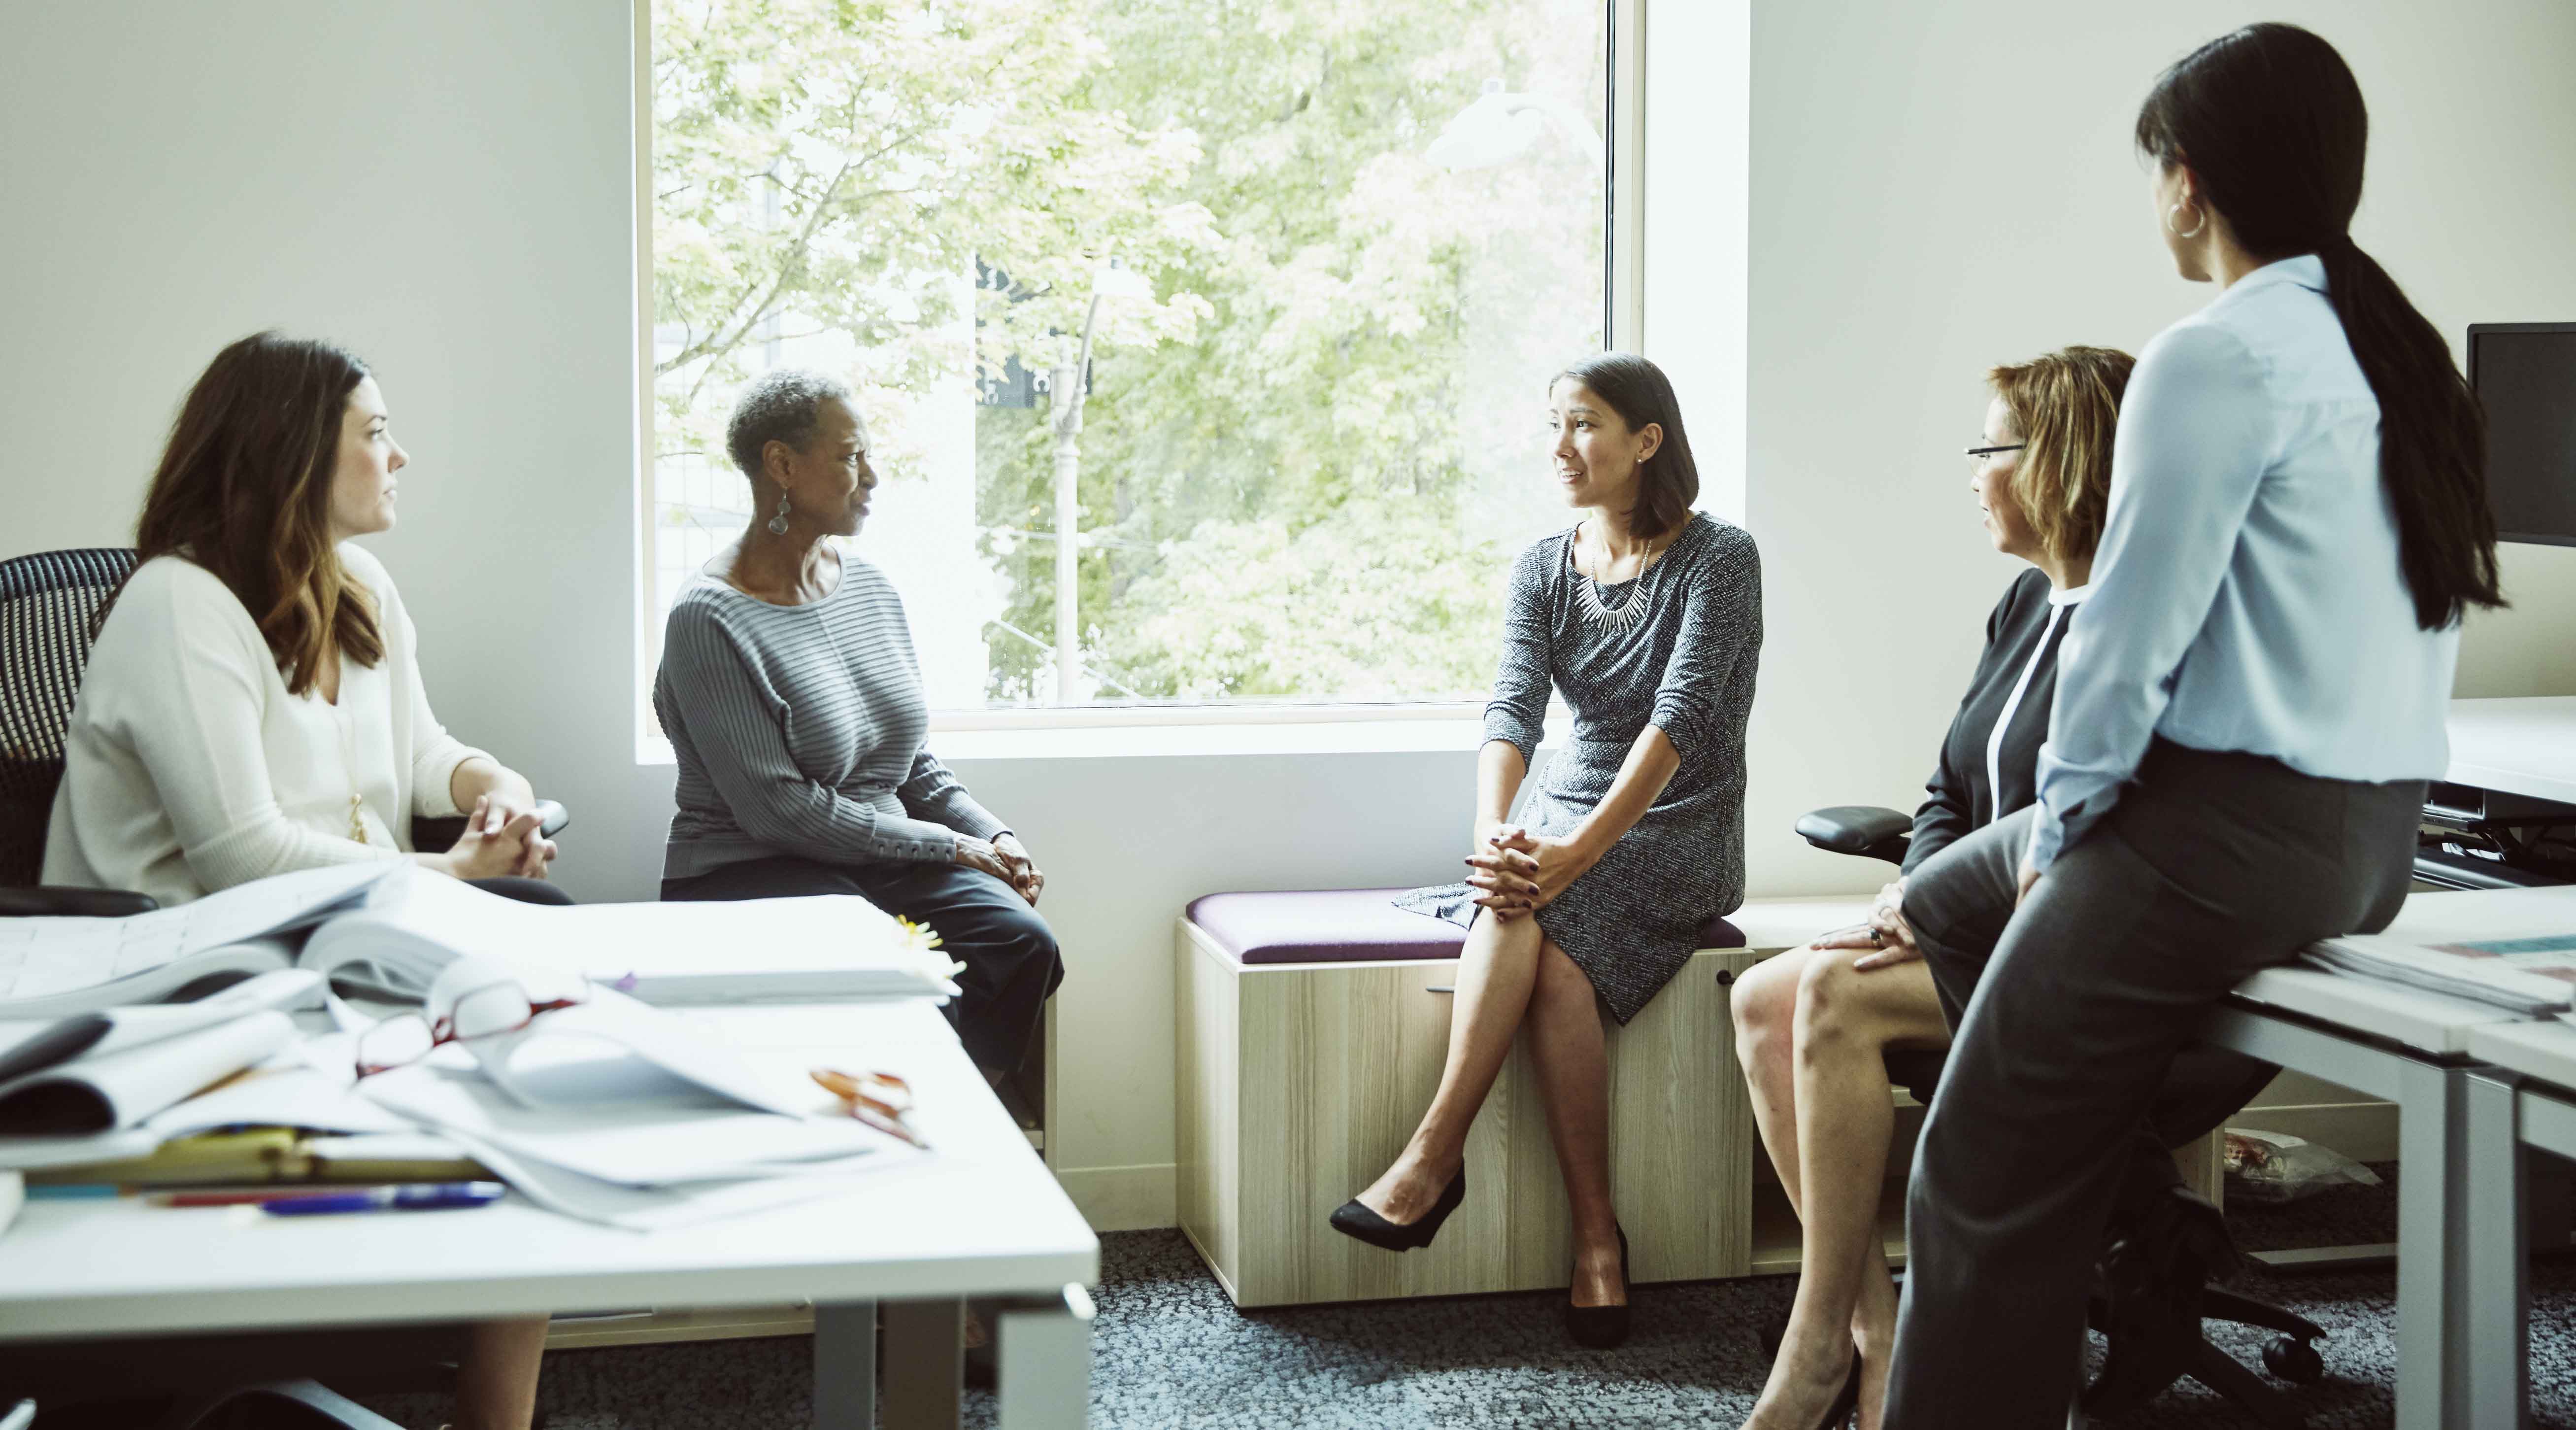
{"x":49,"y":605}
{"x":2141,"y":1362}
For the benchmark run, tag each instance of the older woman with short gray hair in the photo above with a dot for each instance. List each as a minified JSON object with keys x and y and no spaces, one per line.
{"x":794,"y":704}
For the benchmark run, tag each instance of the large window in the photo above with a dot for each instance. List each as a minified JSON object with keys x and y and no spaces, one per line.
{"x":1320,"y":259}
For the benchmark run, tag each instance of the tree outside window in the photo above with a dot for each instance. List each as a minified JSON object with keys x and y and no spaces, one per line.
{"x":1311,"y":429}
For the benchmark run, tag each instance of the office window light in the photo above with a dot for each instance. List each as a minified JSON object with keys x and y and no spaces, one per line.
{"x":1204,"y":344}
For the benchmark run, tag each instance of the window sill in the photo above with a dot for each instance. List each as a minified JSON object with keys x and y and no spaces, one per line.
{"x":1115,"y":742}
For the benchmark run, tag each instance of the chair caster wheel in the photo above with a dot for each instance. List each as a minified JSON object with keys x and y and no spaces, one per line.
{"x":2293,"y":1360}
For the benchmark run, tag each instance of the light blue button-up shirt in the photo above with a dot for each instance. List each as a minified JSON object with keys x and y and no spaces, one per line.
{"x":2247,"y":594}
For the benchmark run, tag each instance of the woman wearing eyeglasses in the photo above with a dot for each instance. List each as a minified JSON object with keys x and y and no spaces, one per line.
{"x":2248,"y":706}
{"x":1813,"y":1025}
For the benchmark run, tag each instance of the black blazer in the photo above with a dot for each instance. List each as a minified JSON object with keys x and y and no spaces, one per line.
{"x":1964,"y":792}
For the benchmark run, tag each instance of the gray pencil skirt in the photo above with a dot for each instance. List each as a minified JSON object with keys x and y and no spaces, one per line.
{"x":2070,"y":1010}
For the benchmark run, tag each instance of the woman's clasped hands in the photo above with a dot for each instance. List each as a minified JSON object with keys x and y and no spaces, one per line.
{"x":1516,"y":872}
{"x":500,"y":841}
{"x":1005,"y":859}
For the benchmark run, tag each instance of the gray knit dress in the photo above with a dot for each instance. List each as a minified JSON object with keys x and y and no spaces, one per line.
{"x":1631,"y":922}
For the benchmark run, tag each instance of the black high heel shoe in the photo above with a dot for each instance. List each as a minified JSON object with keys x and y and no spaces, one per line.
{"x":1839,"y":1414}
{"x":1359,"y":1223}
{"x":1601,"y":1327}
{"x":1771,"y":1333}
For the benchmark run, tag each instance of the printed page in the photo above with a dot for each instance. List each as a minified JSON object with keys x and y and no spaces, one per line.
{"x":640,"y":1142}
{"x":45,"y":958}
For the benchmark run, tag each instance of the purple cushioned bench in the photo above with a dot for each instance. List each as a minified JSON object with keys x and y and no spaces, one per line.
{"x":1346,"y":926}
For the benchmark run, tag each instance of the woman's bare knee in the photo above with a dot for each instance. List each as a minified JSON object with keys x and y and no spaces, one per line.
{"x":1765,"y":997}
{"x":1842,"y":1009}
{"x":1830,"y":1006}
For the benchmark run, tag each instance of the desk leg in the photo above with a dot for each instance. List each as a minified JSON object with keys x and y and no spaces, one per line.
{"x":2431,"y":1314}
{"x":845,"y":1366}
{"x":925,"y":1352}
{"x":2499,"y":1373}
{"x":1045,"y":1363}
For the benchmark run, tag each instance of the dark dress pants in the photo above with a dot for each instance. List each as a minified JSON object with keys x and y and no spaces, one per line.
{"x":2069,"y":1013}
{"x":1012,"y":965}
{"x":526,"y":891}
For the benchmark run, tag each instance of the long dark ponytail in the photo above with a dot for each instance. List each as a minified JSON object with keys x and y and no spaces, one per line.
{"x":2270,"y":119}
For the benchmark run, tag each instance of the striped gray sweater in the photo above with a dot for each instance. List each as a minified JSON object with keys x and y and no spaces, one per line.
{"x":798,"y":731}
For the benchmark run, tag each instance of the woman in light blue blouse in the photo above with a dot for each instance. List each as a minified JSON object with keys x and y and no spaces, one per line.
{"x":2248,"y":707}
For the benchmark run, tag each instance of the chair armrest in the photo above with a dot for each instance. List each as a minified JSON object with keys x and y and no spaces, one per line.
{"x":437,"y":836}
{"x":59,"y":901}
{"x":1861,"y":829}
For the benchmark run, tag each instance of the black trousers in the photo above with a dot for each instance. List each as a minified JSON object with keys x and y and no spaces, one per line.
{"x":526,"y":891}
{"x":1012,"y":963}
{"x":2070,"y":1011}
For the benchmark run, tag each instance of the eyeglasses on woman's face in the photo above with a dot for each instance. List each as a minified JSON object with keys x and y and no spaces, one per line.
{"x":1980,"y":454}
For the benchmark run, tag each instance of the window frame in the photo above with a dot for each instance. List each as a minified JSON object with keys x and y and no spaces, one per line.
{"x":1623,"y":327}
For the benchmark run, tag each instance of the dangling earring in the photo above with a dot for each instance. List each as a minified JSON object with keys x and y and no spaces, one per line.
{"x":778,"y":523}
{"x":2197,"y":224}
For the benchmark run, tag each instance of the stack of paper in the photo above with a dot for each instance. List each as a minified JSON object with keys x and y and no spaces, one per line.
{"x":618,"y":1112}
{"x":106,"y":1072}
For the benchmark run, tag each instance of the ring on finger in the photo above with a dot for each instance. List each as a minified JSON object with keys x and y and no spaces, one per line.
{"x":1877,"y":939}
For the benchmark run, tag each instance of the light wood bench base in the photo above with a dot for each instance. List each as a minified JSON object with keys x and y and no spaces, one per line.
{"x":1299,"y":1083}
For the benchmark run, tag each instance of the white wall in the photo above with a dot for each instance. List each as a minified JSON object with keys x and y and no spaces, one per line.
{"x":446,"y":188}
{"x":1938,"y":188}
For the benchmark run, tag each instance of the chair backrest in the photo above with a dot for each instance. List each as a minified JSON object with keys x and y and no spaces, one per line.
{"x":49,"y":605}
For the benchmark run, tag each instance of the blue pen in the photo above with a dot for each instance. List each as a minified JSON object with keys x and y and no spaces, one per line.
{"x":429,"y":1196}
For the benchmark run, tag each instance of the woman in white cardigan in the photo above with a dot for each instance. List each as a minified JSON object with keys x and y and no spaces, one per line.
{"x":253,"y":705}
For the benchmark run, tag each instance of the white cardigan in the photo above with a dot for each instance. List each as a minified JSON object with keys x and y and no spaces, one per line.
{"x":188,"y":768}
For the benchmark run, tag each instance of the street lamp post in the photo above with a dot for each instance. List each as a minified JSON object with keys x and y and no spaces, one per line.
{"x":1065,"y":391}
{"x":1067,"y":386}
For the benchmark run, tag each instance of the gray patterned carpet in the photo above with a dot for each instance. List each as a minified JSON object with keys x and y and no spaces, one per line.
{"x":1172,"y":1351}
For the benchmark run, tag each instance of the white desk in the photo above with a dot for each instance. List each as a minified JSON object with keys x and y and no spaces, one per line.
{"x":982,"y":1219}
{"x":2529,"y":1100}
{"x":2522,"y":745}
{"x":2414,"y":1049}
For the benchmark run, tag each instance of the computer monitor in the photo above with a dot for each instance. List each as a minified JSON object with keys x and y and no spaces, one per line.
{"x":2525,"y":375}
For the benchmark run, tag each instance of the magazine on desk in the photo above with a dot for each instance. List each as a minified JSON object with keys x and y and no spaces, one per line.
{"x":393,"y":926}
{"x":2509,"y":948}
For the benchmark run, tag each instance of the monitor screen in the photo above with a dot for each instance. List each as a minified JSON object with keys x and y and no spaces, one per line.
{"x":2525,"y":374}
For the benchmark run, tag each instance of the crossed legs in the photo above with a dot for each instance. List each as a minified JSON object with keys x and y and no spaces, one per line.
{"x":1512,"y":977}
{"x":1811,"y":1030}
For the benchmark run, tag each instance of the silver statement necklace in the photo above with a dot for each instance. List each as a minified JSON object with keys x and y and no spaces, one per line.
{"x":1601,"y":613}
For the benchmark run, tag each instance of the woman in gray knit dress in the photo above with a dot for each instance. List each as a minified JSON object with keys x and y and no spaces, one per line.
{"x":1648,"y":618}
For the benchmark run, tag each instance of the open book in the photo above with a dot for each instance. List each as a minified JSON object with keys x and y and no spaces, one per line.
{"x":393,"y":926}
{"x":58,"y":967}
